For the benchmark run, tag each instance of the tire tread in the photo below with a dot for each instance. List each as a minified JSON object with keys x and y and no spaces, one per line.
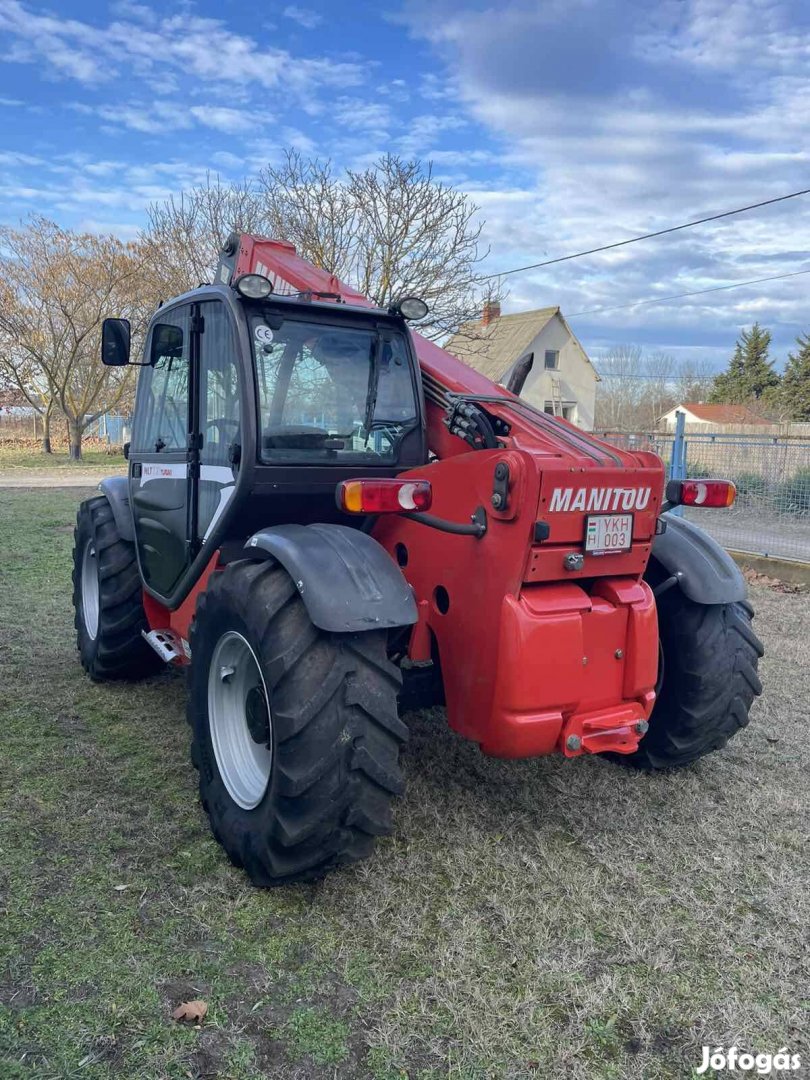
{"x":119,"y":650}
{"x":333,"y":701}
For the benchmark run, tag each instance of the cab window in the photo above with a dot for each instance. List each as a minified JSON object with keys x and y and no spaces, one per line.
{"x":162,"y":413}
{"x":328,"y":392}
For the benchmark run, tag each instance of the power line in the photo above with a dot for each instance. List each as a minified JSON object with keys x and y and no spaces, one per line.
{"x":649,"y":236}
{"x":668,"y":377}
{"x":680,"y":296}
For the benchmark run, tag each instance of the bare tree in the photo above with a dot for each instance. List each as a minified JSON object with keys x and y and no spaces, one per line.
{"x":390,"y":230}
{"x":185,"y":234}
{"x":620,"y":390}
{"x":304,"y":203}
{"x":637,"y":389}
{"x":56,"y":287}
{"x":695,"y":379}
{"x":418,"y":236}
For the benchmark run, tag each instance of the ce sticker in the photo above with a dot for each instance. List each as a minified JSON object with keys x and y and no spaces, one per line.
{"x":264,"y":335}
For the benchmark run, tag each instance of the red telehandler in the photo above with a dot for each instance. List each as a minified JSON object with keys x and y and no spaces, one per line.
{"x":329,"y":520}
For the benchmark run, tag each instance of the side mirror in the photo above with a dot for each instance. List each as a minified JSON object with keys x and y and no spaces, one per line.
{"x":115,"y":340}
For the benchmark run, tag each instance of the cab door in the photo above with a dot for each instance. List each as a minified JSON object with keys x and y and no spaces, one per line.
{"x":220,"y":416}
{"x":160,"y":480}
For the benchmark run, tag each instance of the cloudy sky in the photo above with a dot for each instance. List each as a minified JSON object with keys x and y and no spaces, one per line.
{"x":571,"y":123}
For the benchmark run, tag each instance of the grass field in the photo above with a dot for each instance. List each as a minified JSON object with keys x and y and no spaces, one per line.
{"x":530,"y":919}
{"x":14,"y":457}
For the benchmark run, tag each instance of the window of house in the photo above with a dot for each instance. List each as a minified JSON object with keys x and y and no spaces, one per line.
{"x":568,"y":411}
{"x":552,"y":359}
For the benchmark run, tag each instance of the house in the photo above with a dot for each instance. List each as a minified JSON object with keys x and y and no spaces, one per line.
{"x":562,"y":380}
{"x":707,"y":417}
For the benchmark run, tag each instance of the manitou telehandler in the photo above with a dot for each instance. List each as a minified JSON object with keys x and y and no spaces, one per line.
{"x":329,"y":519}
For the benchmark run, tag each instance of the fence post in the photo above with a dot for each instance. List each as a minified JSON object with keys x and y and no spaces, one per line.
{"x":677,"y":466}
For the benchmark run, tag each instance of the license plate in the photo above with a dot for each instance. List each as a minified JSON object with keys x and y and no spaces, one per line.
{"x":607,"y":533}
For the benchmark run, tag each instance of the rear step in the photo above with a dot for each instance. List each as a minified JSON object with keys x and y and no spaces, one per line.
{"x":169,"y":646}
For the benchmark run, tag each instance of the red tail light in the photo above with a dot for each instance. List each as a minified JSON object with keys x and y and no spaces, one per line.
{"x":383,"y":496}
{"x":701,"y":492}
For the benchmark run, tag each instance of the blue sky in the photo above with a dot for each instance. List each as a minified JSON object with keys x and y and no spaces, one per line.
{"x":570,"y":122}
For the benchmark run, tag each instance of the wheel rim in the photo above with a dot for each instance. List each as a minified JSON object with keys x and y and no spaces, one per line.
{"x":239,"y":720}
{"x":90,"y":604}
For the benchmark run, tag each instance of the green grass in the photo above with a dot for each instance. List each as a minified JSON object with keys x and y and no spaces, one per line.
{"x":529,"y":919}
{"x":12,"y":457}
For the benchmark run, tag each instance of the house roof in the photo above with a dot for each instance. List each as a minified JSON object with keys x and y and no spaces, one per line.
{"x":492,"y":349}
{"x":721,"y":414}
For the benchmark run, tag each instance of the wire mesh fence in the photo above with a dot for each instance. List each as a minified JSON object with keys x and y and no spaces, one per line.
{"x":771,"y":515}
{"x":22,"y":425}
{"x":111,"y":428}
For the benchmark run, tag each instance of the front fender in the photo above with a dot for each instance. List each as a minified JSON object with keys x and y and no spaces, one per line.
{"x":706,"y":572}
{"x":116,"y":488}
{"x":348,"y":582}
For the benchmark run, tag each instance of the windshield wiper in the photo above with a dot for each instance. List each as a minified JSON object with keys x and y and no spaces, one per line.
{"x":373,"y":384}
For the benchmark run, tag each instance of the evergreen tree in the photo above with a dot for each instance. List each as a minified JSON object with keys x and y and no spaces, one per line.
{"x":750,"y":373}
{"x":727,"y":385}
{"x":795,"y":388}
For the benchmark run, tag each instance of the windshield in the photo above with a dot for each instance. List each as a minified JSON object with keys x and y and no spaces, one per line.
{"x":331,"y":393}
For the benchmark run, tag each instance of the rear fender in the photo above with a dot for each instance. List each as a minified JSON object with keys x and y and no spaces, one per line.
{"x":116,"y":488}
{"x":348,"y":581}
{"x":706,"y":573}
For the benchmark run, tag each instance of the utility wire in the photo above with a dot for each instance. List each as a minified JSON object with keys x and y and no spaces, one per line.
{"x":680,"y":296}
{"x":649,"y":236}
{"x":667,"y":377}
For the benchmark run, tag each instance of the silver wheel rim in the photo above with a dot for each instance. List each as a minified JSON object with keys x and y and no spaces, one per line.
{"x":90,"y":603}
{"x":242,"y":742}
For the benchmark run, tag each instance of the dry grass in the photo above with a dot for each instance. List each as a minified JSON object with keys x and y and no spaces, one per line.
{"x":539,"y":918}
{"x":28,"y":456}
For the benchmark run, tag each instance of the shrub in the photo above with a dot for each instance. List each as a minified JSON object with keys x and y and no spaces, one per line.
{"x":793,"y":494}
{"x":750,"y":485}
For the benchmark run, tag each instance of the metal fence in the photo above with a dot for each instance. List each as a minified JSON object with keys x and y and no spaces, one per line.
{"x":111,"y":428}
{"x":771,"y":515}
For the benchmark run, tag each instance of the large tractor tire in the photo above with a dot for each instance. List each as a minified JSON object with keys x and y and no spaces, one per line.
{"x":108,"y":598}
{"x":295,"y":731}
{"x":709,"y":681}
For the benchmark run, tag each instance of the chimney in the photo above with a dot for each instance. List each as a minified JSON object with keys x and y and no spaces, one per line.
{"x":492,"y":311}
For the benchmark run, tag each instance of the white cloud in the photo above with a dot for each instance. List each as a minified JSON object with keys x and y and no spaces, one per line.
{"x":135,"y":46}
{"x":303,"y":16}
{"x":369,"y":116}
{"x":622,"y":126}
{"x":14,"y":158}
{"x":230,"y":121}
{"x":299,"y":141}
{"x":422,"y":132}
{"x":83,"y":189}
{"x":161,"y":116}
{"x":226,"y":160}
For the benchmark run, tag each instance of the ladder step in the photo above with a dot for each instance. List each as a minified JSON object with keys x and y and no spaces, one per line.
{"x":166,"y":644}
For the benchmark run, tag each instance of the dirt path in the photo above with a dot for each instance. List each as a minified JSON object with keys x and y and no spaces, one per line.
{"x":56,"y":478}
